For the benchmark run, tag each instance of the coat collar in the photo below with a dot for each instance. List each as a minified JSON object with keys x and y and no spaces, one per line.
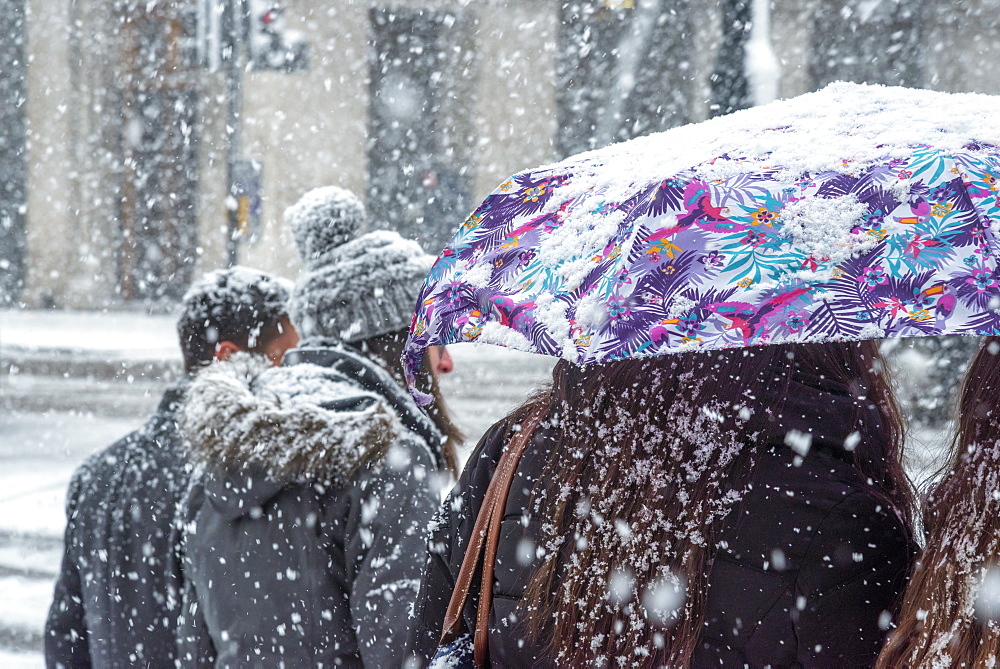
{"x":372,"y":378}
{"x":834,"y":418}
{"x":173,"y":396}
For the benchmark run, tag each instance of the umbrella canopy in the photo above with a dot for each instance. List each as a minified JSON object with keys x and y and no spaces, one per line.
{"x":856,"y":212}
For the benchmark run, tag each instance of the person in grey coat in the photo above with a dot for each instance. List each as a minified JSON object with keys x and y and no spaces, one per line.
{"x":116,"y":598}
{"x":303,"y":538}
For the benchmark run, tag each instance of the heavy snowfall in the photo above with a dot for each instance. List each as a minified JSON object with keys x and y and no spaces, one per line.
{"x":146,"y":143}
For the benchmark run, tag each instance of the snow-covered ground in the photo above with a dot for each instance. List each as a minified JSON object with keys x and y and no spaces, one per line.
{"x":71,"y":383}
{"x":38,"y":453}
{"x":124,"y":334}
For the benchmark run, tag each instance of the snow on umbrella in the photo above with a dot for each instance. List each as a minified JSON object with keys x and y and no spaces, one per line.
{"x":855,"y":212}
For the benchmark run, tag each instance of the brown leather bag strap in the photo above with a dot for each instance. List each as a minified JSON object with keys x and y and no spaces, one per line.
{"x":452,"y":626}
{"x":504,"y":474}
{"x":486,"y":535}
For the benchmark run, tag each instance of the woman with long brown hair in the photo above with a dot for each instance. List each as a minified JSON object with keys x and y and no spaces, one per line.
{"x":938,"y":623}
{"x":727,"y":508}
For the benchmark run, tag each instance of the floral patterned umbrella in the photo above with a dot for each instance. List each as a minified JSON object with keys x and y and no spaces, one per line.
{"x":856,"y":212}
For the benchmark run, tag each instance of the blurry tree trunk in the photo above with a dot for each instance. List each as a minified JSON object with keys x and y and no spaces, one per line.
{"x":159,"y":112}
{"x":966,"y":38}
{"x":13,"y":166}
{"x":420,"y":122}
{"x":867,"y":41}
{"x":623,"y":70}
{"x":730,"y":88}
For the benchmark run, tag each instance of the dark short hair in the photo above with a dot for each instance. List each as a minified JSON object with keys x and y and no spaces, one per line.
{"x":238,"y":304}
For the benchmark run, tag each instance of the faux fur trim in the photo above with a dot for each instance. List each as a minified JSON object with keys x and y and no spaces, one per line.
{"x":300,"y":423}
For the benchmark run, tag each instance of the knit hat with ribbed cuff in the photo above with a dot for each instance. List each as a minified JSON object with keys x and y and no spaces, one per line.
{"x":353,"y":287}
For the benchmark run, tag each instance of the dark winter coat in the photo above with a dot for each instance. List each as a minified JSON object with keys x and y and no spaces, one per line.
{"x":305,"y":537}
{"x":810,"y":561}
{"x":115,"y":602}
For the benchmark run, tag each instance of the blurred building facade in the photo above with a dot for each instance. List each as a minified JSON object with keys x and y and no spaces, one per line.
{"x":113,"y":152}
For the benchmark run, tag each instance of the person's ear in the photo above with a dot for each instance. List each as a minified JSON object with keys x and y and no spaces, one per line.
{"x":224,"y":349}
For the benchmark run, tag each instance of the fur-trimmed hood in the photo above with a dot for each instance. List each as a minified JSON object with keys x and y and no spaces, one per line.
{"x":373,"y":378}
{"x":303,"y":423}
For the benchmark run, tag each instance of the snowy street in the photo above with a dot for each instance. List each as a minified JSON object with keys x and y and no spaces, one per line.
{"x":39,"y":452}
{"x":72,"y":383}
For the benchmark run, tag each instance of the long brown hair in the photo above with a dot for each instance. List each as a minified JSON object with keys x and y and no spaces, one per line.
{"x":387,"y":350}
{"x":647,"y":458}
{"x":937,"y":623}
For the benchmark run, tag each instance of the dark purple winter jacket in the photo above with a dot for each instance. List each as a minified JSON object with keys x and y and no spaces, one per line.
{"x":843,"y":554}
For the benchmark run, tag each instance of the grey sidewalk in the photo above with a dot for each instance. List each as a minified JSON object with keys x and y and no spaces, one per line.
{"x":70,"y":383}
{"x":109,"y":364}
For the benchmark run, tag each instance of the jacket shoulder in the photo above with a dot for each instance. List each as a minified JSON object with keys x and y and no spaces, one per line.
{"x":490,"y":447}
{"x":153,"y":448}
{"x":453,"y":522}
{"x":468,"y":494}
{"x":862,"y":537}
{"x":818,"y":520}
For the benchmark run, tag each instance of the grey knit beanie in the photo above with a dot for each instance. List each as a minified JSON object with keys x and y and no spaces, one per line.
{"x":353,"y":287}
